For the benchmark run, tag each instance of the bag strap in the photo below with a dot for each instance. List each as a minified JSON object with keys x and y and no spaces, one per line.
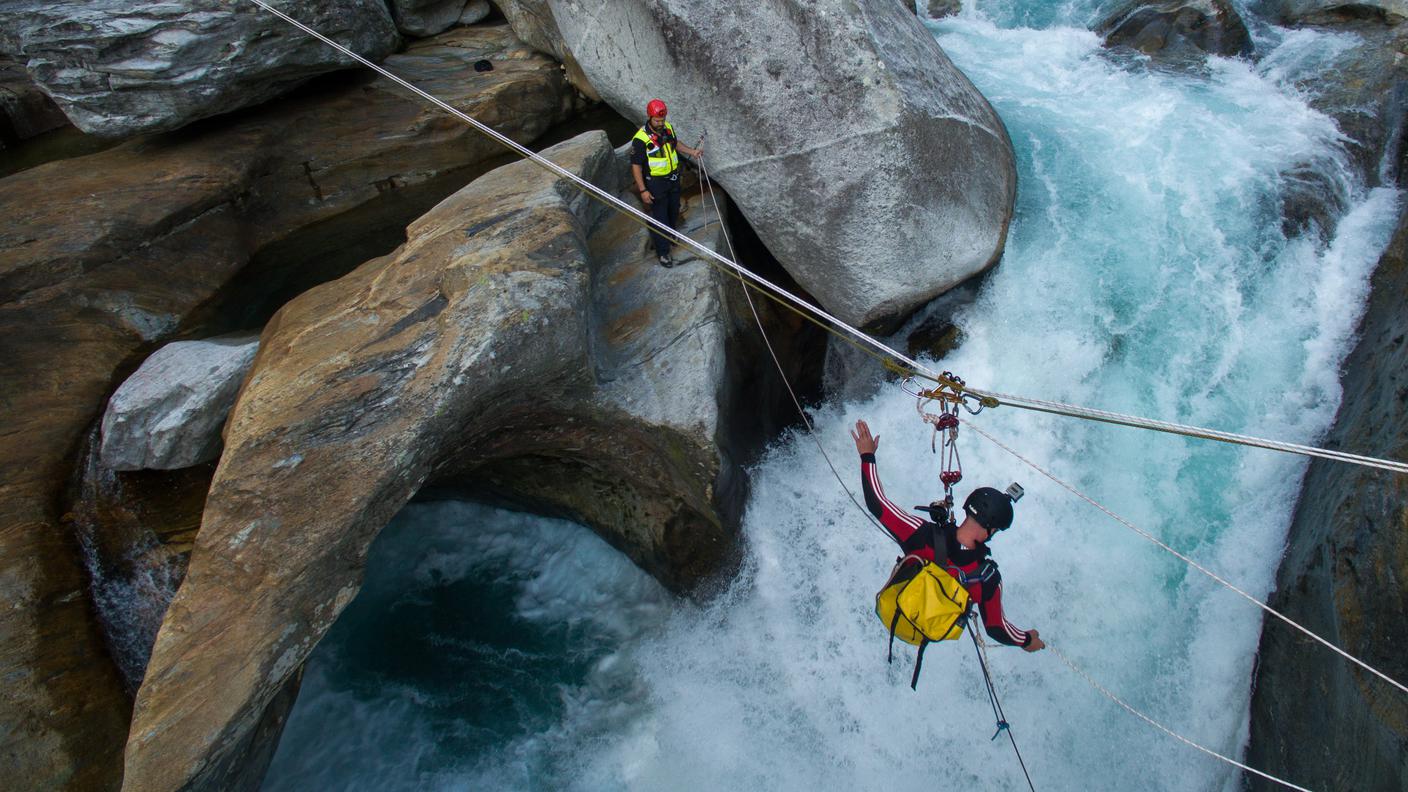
{"x":894,"y":624}
{"x":918,"y":663}
{"x":941,"y":541}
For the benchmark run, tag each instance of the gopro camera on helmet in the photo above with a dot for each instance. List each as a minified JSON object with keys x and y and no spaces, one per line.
{"x":1015,"y":491}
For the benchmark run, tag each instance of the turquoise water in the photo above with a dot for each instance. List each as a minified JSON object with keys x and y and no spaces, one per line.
{"x":1147,"y":271}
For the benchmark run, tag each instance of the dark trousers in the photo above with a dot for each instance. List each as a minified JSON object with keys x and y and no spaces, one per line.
{"x":666,"y":209}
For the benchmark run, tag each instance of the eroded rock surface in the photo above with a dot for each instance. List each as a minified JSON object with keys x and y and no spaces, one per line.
{"x":520,"y":342}
{"x":870,"y":166}
{"x":475,"y":11}
{"x":25,"y":111}
{"x":117,"y":68}
{"x":1298,"y":12}
{"x":169,"y":413}
{"x":105,"y":257}
{"x":1315,"y":718}
{"x":426,"y":17}
{"x":1177,"y":27}
{"x":1365,"y":90}
{"x":938,"y":9}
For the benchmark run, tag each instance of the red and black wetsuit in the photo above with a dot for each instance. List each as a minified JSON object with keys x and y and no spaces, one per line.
{"x":917,"y":536}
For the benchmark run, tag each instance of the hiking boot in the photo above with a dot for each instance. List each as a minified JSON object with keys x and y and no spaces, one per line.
{"x":667,"y":262}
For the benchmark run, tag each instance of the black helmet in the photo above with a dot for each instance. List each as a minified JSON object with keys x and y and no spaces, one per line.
{"x":992,"y":508}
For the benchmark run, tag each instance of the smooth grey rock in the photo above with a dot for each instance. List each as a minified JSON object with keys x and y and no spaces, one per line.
{"x":169,"y":413}
{"x":1177,"y":27}
{"x":118,"y":68}
{"x":475,"y":11}
{"x":532,"y":21}
{"x":870,"y":166}
{"x":426,"y":17}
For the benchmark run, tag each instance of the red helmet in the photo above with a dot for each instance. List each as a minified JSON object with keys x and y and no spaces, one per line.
{"x":655,"y":109}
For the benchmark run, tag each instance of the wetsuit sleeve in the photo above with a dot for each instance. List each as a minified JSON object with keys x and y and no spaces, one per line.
{"x":996,"y":623}
{"x":899,"y":524}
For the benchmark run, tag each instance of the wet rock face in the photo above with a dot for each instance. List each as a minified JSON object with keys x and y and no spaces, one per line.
{"x":168,"y":414}
{"x":24,"y":109}
{"x":870,"y":166}
{"x":938,"y":9}
{"x":118,"y":69}
{"x":1366,"y":91}
{"x":135,"y":531}
{"x":426,"y":17}
{"x":1178,"y":27}
{"x":520,"y":340}
{"x":105,"y":257}
{"x":1320,"y":12}
{"x":1315,"y":718}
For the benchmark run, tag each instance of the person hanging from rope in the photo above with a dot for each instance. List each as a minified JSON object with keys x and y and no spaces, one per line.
{"x":962,"y":549}
{"x":653,"y":149}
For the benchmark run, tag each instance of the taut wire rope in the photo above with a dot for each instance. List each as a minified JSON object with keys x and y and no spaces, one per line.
{"x":1105,"y":416}
{"x":880,"y":351}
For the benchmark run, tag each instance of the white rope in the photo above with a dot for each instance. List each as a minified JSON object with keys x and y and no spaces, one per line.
{"x":1187,"y":560}
{"x":1058,"y":408}
{"x":1167,"y":730}
{"x":811,"y":430}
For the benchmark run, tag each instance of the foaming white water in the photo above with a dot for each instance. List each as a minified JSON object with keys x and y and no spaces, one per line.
{"x":1146,"y":271}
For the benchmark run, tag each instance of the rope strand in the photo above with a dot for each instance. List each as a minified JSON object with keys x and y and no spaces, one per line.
{"x":997,"y":711}
{"x":1166,"y":730}
{"x":806,"y":421}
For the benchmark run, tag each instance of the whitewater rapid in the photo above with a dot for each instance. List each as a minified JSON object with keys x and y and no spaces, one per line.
{"x":1146,"y":271}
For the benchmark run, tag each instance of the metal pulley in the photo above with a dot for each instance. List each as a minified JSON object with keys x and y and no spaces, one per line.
{"x":949,"y":396}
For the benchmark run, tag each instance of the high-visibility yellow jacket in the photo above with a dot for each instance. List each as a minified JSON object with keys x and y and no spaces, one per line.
{"x":660,"y":153}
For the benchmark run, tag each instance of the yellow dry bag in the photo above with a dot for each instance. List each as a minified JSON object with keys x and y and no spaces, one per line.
{"x":919,"y":604}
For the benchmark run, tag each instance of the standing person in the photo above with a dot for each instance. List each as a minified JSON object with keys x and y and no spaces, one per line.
{"x":961,"y":549}
{"x":656,"y":168}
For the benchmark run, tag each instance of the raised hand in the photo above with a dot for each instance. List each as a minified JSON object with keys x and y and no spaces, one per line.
{"x":865,"y":443}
